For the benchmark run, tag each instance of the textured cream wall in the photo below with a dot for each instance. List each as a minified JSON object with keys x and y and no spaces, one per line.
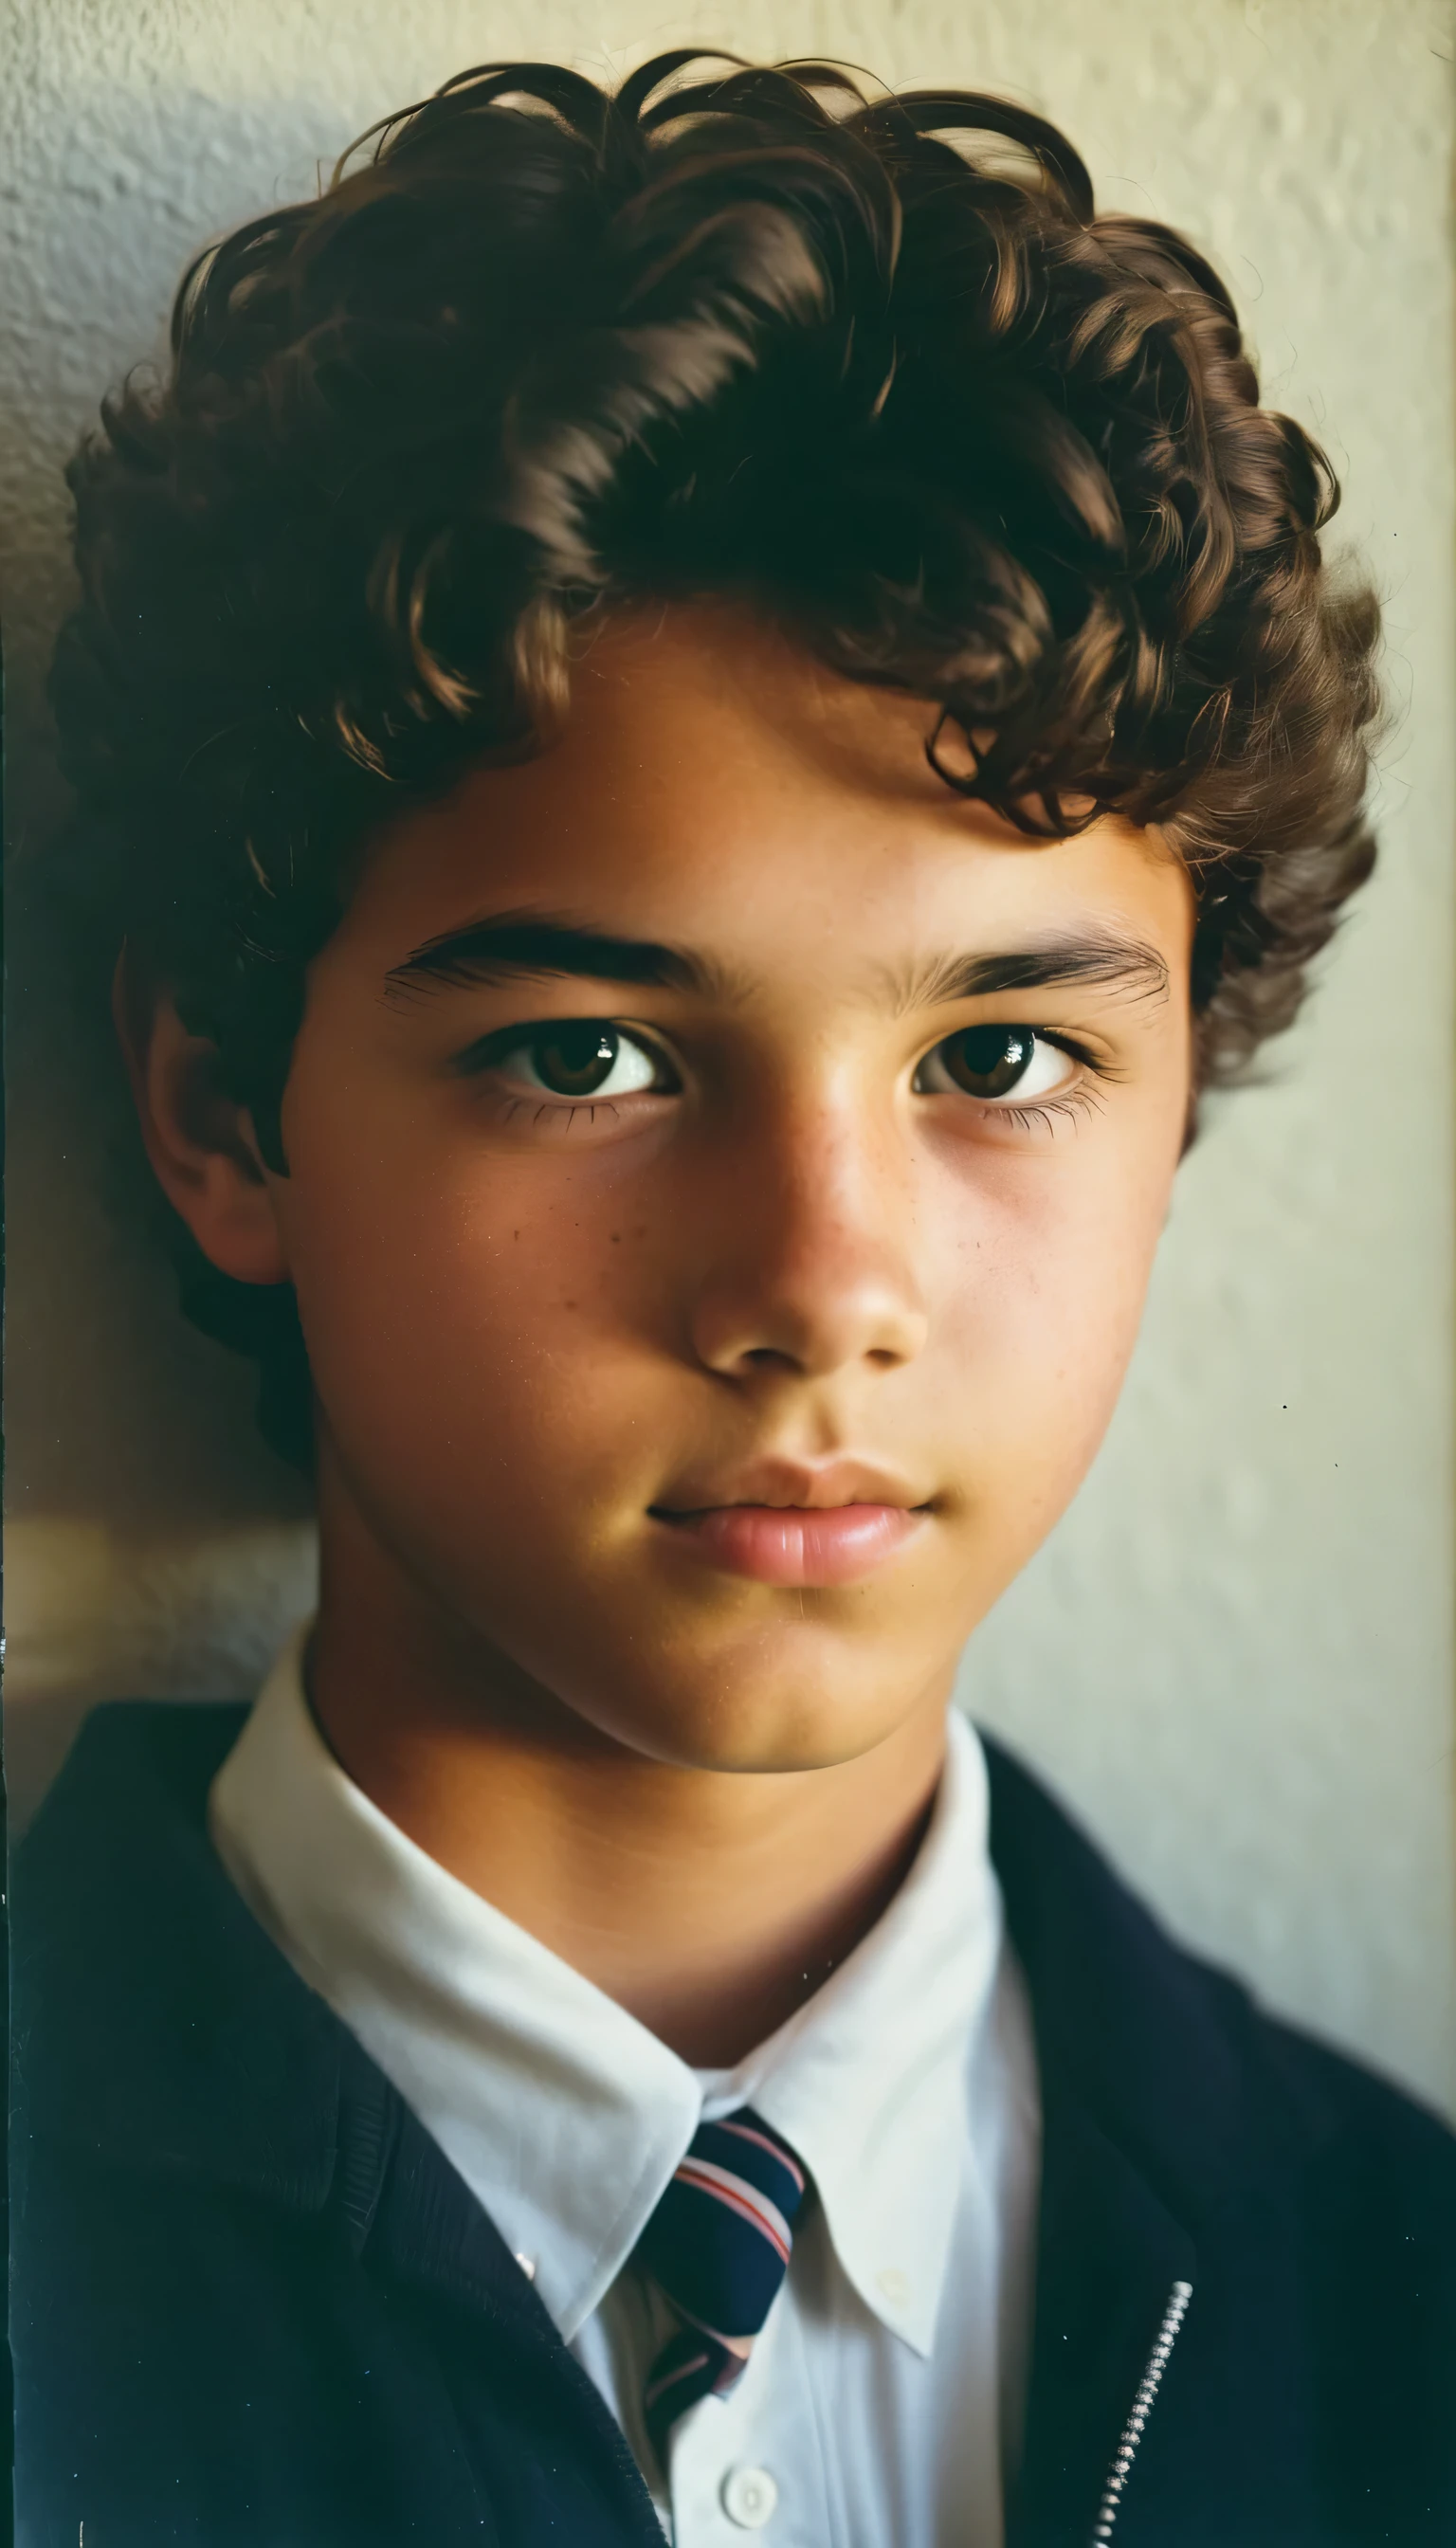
{"x":1235,"y":1653}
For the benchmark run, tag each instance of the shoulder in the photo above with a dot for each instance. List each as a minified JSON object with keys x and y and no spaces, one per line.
{"x":151,"y":2011}
{"x":1316,"y":2202}
{"x":122,"y":1818}
{"x":1140,"y":2016}
{"x":168,"y":1741}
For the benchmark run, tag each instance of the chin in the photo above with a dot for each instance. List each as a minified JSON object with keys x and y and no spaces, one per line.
{"x":745,"y":1720}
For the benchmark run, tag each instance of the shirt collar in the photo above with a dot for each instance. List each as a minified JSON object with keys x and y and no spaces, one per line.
{"x":562,"y":2114}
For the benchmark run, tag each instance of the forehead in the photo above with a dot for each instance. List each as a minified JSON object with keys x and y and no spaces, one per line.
{"x":714,"y":786}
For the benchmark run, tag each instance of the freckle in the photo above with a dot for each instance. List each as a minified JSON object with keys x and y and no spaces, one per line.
{"x":568,"y":1304}
{"x":616,"y":1239}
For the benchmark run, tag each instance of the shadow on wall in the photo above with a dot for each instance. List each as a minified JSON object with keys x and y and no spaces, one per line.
{"x":153,"y":1545}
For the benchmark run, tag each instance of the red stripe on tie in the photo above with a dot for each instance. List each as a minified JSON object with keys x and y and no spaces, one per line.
{"x":736,"y":2195}
{"x":776,"y":2149}
{"x":683,"y":2371}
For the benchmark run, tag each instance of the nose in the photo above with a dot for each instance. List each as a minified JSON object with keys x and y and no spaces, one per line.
{"x":814,"y":1269}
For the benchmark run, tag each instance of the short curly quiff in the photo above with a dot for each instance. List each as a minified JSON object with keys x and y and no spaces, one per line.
{"x":871,"y":364}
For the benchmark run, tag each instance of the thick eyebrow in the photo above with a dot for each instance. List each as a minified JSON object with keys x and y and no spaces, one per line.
{"x":1106,"y":962}
{"x":551,"y":945}
{"x":545,"y":944}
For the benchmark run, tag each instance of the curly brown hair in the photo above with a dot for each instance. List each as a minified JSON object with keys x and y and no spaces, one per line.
{"x":735,"y":330}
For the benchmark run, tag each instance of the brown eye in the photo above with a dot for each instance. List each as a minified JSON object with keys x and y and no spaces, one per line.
{"x":981,"y":1061}
{"x":574,"y":1057}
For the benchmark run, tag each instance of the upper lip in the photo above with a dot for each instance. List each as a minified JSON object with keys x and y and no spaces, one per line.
{"x":805,"y":1486}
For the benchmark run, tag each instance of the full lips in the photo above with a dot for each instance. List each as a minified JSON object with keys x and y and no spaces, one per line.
{"x":797,"y":1544}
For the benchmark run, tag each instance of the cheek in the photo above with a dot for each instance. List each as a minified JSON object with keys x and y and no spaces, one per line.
{"x":1050,"y":1273}
{"x":463,"y":1323}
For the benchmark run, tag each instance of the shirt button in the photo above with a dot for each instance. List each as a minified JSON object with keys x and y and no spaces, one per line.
{"x":749,"y":2498}
{"x":895,"y":2286}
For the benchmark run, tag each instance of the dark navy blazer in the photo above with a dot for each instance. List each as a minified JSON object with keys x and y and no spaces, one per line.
{"x":254,"y":2306}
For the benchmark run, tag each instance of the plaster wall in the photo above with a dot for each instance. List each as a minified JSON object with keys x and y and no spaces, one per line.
{"x":1234,"y":1654}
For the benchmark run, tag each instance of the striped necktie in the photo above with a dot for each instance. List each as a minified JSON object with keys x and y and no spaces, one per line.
{"x":718,"y":2245}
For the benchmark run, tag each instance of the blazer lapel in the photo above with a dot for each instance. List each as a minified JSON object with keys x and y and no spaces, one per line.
{"x":1142,"y":2144}
{"x":1110,"y":2254}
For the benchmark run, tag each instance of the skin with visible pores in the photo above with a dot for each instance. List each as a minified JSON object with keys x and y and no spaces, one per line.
{"x":584,"y":1361}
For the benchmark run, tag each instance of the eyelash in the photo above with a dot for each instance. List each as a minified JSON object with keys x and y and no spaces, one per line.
{"x":1081,"y":1100}
{"x":1085,"y":1098}
{"x":570,"y":1107}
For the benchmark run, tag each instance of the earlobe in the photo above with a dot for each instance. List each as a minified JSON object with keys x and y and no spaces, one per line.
{"x":199,"y":1139}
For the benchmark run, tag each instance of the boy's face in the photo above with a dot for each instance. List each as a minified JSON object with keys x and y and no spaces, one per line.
{"x":596,"y":1264}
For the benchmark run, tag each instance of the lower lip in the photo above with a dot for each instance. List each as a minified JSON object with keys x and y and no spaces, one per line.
{"x":773,"y":1544}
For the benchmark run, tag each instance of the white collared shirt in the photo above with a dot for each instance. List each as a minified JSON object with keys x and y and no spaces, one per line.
{"x":880,"y":2406}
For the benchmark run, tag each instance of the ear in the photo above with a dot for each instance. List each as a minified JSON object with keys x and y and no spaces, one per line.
{"x":199,"y":1139}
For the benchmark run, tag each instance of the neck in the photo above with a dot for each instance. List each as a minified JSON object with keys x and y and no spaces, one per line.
{"x":711,"y":1904}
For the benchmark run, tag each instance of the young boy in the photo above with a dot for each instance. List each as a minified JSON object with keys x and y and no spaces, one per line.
{"x":701,"y":715}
